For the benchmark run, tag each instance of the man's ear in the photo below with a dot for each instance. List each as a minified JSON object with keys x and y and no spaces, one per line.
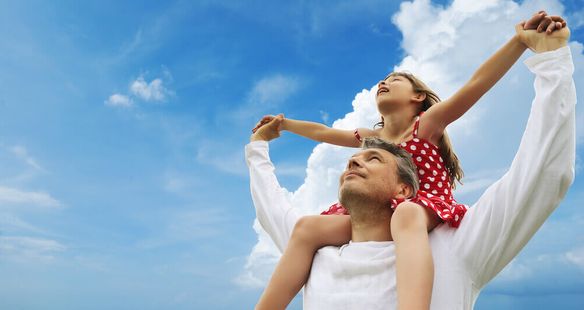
{"x":405,"y":191}
{"x":419,"y":97}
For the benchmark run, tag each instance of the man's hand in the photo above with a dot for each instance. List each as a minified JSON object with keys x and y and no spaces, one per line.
{"x":543,"y":33}
{"x":268,"y":131}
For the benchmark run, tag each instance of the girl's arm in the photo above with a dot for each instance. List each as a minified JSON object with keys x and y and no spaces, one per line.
{"x":322,"y":133}
{"x":319,"y":132}
{"x":440,"y":115}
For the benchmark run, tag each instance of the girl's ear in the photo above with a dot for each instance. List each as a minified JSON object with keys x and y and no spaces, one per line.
{"x":419,"y":97}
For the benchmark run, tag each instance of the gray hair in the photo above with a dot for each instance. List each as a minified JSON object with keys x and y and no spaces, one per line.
{"x":406,"y":170}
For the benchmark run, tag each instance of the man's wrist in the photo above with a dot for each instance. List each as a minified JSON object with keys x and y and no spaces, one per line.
{"x":257,"y":137}
{"x":516,"y":40}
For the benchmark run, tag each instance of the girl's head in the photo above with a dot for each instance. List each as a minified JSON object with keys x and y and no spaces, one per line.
{"x":400,"y":89}
{"x":404,"y":90}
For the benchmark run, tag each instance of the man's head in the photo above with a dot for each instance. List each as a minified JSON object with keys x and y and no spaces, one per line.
{"x":381,"y":171}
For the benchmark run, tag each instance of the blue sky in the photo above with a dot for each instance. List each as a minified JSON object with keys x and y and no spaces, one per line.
{"x":122,"y":126}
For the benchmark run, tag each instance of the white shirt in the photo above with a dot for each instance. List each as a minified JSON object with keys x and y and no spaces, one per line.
{"x":361,"y":275}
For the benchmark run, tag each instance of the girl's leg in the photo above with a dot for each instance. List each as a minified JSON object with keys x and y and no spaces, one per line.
{"x":310,"y":234}
{"x":410,"y":224}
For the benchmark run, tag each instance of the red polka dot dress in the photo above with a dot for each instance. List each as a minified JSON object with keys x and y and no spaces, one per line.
{"x":435,"y":188}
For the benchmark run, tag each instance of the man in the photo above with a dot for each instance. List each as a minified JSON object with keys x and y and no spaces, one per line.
{"x":361,"y":274}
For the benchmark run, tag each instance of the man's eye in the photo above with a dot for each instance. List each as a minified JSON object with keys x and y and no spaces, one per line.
{"x":375,"y":157}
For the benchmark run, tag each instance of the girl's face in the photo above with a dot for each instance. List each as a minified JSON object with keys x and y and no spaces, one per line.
{"x":392,"y":92}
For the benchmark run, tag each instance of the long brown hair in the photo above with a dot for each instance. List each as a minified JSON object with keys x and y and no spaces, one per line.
{"x":451,"y":162}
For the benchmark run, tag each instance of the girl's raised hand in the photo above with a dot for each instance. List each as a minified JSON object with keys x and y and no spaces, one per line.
{"x":266,"y":119}
{"x":556,"y":36}
{"x":541,"y":22}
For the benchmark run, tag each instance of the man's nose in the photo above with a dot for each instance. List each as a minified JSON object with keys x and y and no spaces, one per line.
{"x":354,"y":162}
{"x":382,"y":82}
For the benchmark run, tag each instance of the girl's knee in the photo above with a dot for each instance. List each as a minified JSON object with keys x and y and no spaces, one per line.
{"x":306,"y":228}
{"x":408,"y":215}
{"x":322,"y":230}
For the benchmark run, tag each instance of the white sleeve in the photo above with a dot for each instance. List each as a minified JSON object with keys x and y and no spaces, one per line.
{"x":271,"y":201}
{"x":510,"y":211}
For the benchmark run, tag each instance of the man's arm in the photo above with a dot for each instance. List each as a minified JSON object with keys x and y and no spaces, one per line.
{"x":497,"y":227}
{"x":273,"y":208}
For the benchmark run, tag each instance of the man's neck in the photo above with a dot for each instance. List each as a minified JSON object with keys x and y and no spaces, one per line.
{"x":371,"y":226}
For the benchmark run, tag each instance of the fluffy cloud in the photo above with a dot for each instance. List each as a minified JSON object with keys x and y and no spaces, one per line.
{"x":119,"y":100}
{"x":443,"y":45}
{"x":153,"y":91}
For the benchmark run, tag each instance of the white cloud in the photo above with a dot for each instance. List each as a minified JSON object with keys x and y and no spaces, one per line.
{"x":443,"y":46}
{"x":290,"y":169}
{"x":547,"y":266}
{"x":22,"y":153}
{"x":576,"y":257}
{"x":265,"y":96}
{"x":153,"y":91}
{"x":119,"y":100}
{"x":478,"y":181}
{"x":16,"y":196}
{"x":29,"y":249}
{"x":576,"y":19}
{"x":273,"y":89}
{"x":260,"y":263}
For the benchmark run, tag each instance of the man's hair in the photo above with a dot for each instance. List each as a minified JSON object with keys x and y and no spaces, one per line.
{"x":406,"y":170}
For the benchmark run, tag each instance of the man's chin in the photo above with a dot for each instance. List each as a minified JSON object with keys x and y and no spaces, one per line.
{"x":350,"y":194}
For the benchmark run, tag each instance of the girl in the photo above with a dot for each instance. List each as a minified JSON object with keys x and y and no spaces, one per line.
{"x":411,"y":118}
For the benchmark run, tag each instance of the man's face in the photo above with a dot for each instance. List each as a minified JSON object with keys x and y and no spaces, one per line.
{"x":371,"y":175}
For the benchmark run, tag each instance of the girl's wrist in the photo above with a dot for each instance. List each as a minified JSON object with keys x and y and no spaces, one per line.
{"x":284,"y":124}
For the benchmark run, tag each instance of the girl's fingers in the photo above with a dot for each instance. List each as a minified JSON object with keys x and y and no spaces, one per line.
{"x":550,"y":28}
{"x":557,"y":18}
{"x":266,"y":119}
{"x":535,"y":20}
{"x":544,"y":24}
